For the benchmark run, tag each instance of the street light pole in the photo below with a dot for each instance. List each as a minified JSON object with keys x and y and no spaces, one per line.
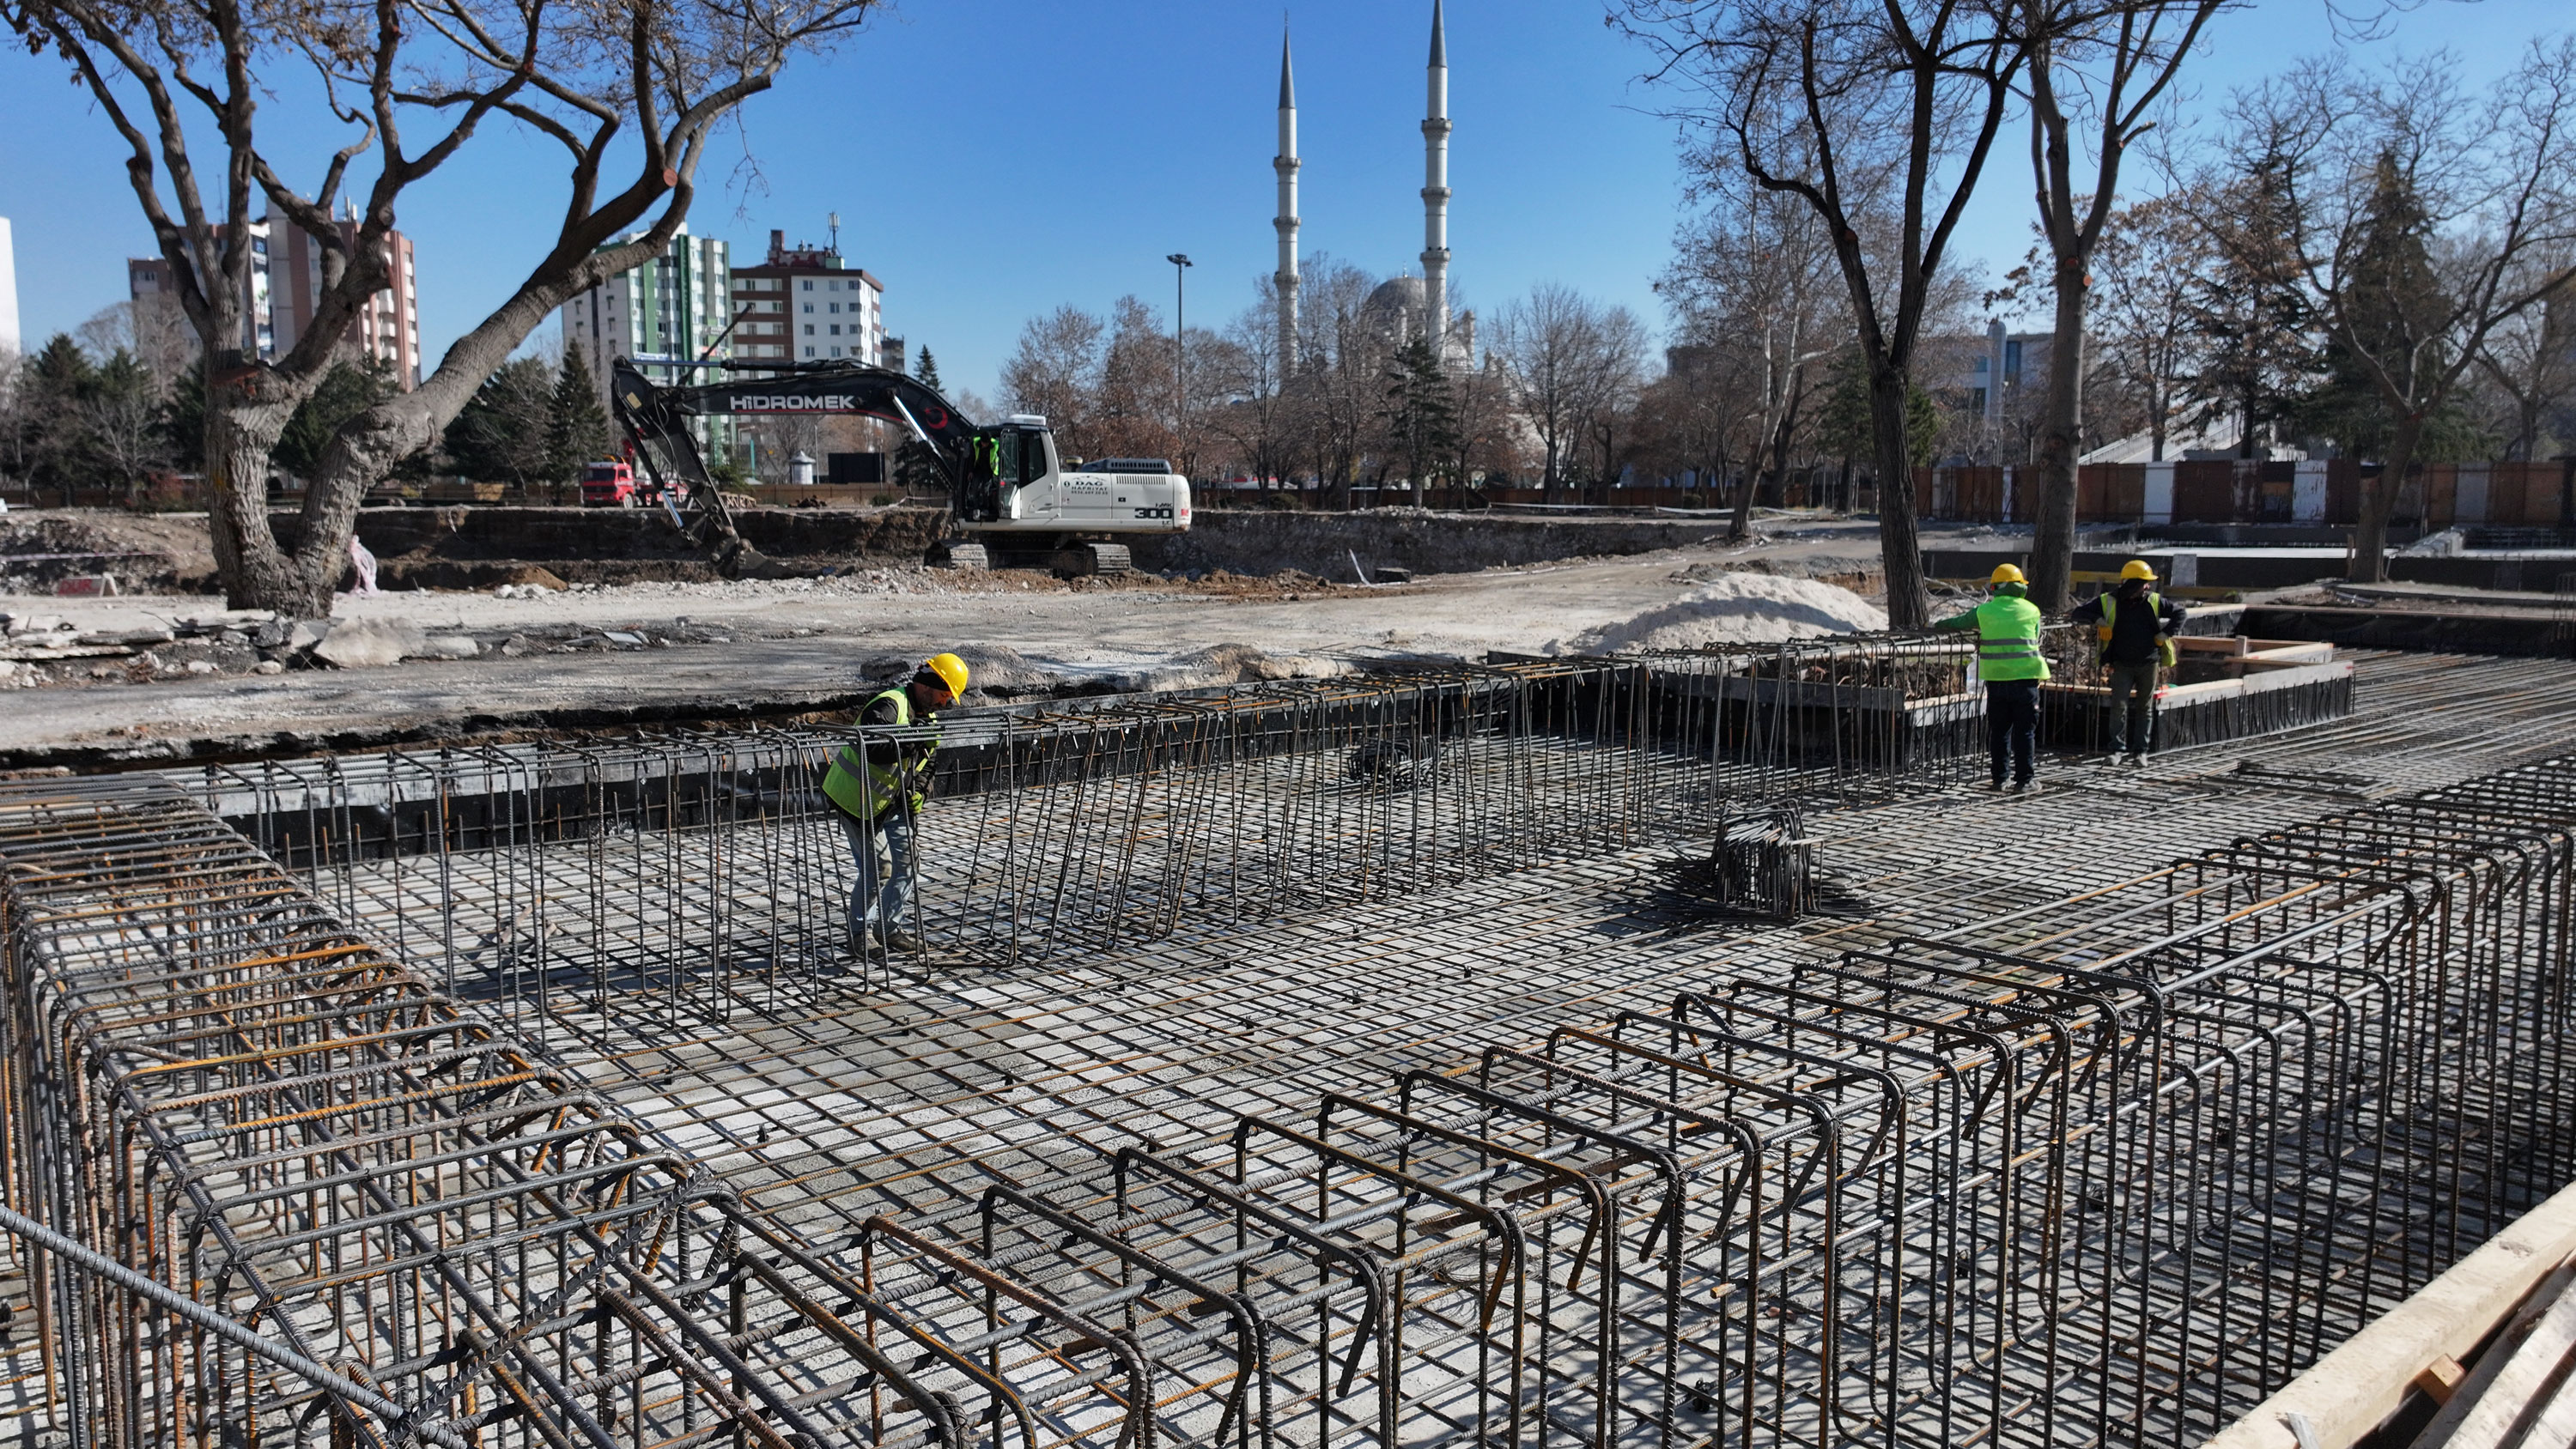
{"x":1180,"y":387}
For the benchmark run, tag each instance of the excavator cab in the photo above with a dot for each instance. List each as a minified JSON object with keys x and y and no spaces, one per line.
{"x":1014,"y":469}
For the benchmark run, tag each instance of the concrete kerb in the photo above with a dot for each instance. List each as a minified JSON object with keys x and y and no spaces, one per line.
{"x":2353,"y":1390}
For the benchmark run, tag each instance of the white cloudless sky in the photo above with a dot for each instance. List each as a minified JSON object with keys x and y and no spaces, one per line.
{"x":993,"y":159}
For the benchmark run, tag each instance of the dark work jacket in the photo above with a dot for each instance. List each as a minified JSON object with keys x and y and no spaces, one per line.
{"x":2134,"y":626}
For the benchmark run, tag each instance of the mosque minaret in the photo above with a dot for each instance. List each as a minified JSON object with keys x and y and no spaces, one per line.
{"x":1435,"y":193}
{"x":1285,"y":164}
{"x":1404,"y":307}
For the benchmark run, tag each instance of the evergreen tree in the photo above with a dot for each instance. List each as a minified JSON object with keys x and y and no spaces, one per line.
{"x":2253,"y":321}
{"x":2397,"y":310}
{"x":925,"y":370}
{"x":576,"y":425}
{"x":58,"y":379}
{"x":1420,"y":412}
{"x":347,"y":390}
{"x":1843,"y":426}
{"x":504,"y":433}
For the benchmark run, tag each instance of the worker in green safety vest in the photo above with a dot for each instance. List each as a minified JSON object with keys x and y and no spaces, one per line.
{"x":2009,"y":661}
{"x":880,"y":786}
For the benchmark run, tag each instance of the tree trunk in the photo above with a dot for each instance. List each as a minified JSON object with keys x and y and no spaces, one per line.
{"x":2379,"y":500}
{"x":240,"y":435}
{"x":2052,"y":547}
{"x":1900,"y":547}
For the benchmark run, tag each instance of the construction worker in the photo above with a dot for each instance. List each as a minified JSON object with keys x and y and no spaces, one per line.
{"x":2009,"y":661}
{"x":2135,"y":626}
{"x":880,"y":788}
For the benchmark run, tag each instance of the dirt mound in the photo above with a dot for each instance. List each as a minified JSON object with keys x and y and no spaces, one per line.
{"x":147,"y":553}
{"x":1732,"y":609}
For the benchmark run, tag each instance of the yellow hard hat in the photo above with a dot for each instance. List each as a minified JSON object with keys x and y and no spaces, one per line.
{"x":951,"y":671}
{"x":2006,"y":574}
{"x":2136,"y":568}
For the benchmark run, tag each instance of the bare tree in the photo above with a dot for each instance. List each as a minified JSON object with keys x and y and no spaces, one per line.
{"x":2422,"y":220}
{"x":2102,"y":65}
{"x":405,"y":84}
{"x":120,"y":423}
{"x":1567,"y":359}
{"x":1859,"y":108}
{"x":1253,"y":414}
{"x":2144,"y":269}
{"x":1055,"y":371}
{"x":1758,"y":277}
{"x":2529,"y":363}
{"x":1133,"y":416}
{"x":1703,"y":413}
{"x":1340,"y":355}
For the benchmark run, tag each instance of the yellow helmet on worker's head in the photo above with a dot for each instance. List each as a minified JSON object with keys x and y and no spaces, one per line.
{"x":2005,"y":574}
{"x":949,"y":670}
{"x":2137,"y":568}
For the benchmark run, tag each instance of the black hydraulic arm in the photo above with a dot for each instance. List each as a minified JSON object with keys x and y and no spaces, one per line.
{"x":656,"y":421}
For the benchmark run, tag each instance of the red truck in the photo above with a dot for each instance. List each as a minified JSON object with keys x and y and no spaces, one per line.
{"x":609,"y":483}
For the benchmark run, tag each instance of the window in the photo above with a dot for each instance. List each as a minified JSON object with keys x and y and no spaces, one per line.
{"x":1978,"y":366}
{"x":809,"y":352}
{"x":809,"y":306}
{"x":832,"y":307}
{"x":830,"y":285}
{"x":836,"y":329}
{"x":809,"y":286}
{"x":836,"y":352}
{"x":809,"y":331}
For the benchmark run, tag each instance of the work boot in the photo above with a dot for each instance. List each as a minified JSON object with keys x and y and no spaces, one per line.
{"x":2133,"y":761}
{"x":2025,"y":787}
{"x":902,"y":940}
{"x":1996,"y":783}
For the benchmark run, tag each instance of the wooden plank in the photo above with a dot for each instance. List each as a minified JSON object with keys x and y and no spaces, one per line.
{"x":2352,"y":1391}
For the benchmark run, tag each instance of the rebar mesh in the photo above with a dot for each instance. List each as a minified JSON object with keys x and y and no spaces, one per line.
{"x":2071,"y":1169}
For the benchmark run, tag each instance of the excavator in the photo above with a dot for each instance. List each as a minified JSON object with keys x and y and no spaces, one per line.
{"x":1012,"y":503}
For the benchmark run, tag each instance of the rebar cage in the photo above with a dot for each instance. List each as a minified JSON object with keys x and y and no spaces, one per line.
{"x":2099,"y":1171}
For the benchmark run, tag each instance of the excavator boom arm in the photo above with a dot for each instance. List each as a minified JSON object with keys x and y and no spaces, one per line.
{"x":656,"y":422}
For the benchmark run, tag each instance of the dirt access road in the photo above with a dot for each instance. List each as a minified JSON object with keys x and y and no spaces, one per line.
{"x":679,"y":651}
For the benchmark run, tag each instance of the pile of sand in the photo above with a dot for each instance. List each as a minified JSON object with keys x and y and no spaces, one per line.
{"x":1735,"y":608}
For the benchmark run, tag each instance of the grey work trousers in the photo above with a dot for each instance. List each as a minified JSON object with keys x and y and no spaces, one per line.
{"x":2133,"y":690}
{"x":882,"y":894}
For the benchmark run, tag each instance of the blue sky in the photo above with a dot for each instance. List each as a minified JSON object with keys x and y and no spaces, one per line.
{"x":992,"y":159}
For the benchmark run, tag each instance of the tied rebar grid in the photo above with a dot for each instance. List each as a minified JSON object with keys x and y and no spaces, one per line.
{"x":308,"y":1200}
{"x":1455,"y":1391}
{"x":557,"y":885}
{"x":2068,"y":1184}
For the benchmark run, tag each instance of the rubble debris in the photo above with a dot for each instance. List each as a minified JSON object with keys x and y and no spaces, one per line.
{"x":370,"y":643}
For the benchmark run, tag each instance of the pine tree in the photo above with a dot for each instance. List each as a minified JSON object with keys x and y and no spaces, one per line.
{"x":1420,"y":412}
{"x":925,"y":370}
{"x":58,"y":380}
{"x":2396,"y":305}
{"x":503,"y":433}
{"x":2249,"y":311}
{"x":576,"y":425}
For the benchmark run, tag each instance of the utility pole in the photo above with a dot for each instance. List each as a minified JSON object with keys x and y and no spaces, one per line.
{"x":1180,"y":387}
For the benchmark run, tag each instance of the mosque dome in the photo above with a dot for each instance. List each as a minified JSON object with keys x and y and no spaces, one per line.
{"x":1397,"y":308}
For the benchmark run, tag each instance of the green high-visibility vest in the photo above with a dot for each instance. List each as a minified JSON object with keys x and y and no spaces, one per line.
{"x":866,"y":789}
{"x":2008,"y":639}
